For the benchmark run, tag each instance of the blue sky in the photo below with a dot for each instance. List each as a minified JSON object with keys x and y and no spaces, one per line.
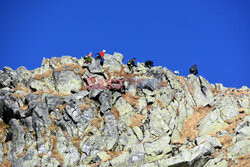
{"x":214,"y":34}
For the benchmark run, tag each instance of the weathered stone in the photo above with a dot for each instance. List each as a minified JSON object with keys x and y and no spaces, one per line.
{"x":228,"y":108}
{"x":17,"y":136}
{"x":238,"y":149}
{"x":30,"y":158}
{"x":138,"y":132}
{"x":210,"y":123}
{"x":112,"y":64}
{"x":110,"y":130}
{"x":67,"y":81}
{"x":172,"y":80}
{"x":151,"y":84}
{"x":81,"y":94}
{"x":122,"y":106}
{"x":105,"y":99}
{"x":67,"y":60}
{"x":157,"y":125}
{"x":197,"y":156}
{"x":215,"y":142}
{"x":153,"y":149}
{"x":93,"y":93}
{"x":1,"y":153}
{"x":137,"y":155}
{"x":150,"y":165}
{"x":118,"y":57}
{"x":128,"y":139}
{"x":198,"y":91}
{"x":215,"y":162}
{"x":95,"y":68}
{"x":73,"y":112}
{"x":142,"y":103}
{"x":121,"y":160}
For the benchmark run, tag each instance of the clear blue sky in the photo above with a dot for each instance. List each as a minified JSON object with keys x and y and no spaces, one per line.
{"x":214,"y":34}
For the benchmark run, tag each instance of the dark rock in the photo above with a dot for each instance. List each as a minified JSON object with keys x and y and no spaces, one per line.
{"x":17,"y":136}
{"x":52,"y":102}
{"x":105,"y":99}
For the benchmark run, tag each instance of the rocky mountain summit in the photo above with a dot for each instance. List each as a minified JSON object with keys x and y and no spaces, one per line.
{"x":68,"y":113}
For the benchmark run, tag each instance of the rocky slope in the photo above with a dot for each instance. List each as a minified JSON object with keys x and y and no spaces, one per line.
{"x":48,"y":117}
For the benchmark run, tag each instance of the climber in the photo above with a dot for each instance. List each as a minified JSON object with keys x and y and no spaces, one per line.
{"x":131,"y":64}
{"x":88,"y":58}
{"x":100,"y":56}
{"x":193,"y":70}
{"x":149,"y":64}
{"x":177,"y":73}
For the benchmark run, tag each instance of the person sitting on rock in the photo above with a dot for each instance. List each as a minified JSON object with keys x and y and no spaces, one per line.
{"x":193,"y":70}
{"x":149,"y":64}
{"x":88,"y":58}
{"x":101,"y":56}
{"x":131,"y":64}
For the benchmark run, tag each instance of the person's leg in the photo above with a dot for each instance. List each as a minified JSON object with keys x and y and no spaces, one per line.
{"x":131,"y":69}
{"x":101,"y":61}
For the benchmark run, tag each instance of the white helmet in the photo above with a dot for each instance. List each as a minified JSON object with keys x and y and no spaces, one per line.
{"x":176,"y":72}
{"x":104,"y":50}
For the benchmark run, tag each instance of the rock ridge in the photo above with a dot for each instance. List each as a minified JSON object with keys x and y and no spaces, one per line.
{"x":68,"y":113}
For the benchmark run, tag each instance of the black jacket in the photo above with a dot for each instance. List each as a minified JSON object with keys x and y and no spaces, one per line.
{"x":193,"y":70}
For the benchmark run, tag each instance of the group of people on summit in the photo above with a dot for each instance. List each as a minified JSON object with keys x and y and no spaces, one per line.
{"x":131,"y":63}
{"x":100,"y":56}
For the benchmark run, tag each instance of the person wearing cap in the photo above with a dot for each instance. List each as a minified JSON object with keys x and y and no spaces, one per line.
{"x":101,"y":56}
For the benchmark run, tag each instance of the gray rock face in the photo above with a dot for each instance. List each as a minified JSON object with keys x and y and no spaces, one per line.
{"x":67,"y":81}
{"x":197,"y":156}
{"x":95,"y":68}
{"x":151,"y":84}
{"x":17,"y":136}
{"x":48,"y":118}
{"x":105,"y":100}
{"x":113,"y":62}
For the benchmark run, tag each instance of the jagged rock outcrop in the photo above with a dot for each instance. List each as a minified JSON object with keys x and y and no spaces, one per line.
{"x":68,"y":113}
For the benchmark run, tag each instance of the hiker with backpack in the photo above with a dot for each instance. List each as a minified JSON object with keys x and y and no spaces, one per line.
{"x":100,"y":56}
{"x":193,"y":70}
{"x":131,"y":64}
{"x":149,"y":64}
{"x":88,"y":58}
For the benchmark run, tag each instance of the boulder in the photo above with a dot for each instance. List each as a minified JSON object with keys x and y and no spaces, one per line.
{"x":238,"y":149}
{"x":67,"y":81}
{"x":197,"y":156}
{"x":153,"y":149}
{"x":112,"y":63}
{"x":122,"y":106}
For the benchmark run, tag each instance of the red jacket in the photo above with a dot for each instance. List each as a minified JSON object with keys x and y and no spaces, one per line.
{"x":101,"y":54}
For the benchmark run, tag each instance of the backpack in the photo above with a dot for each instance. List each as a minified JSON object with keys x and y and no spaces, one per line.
{"x":149,"y":64}
{"x":193,"y":70}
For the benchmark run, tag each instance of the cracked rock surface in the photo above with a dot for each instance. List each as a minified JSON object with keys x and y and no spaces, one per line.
{"x":48,"y":117}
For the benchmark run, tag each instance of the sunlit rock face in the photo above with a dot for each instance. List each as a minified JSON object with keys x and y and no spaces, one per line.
{"x":68,"y":113}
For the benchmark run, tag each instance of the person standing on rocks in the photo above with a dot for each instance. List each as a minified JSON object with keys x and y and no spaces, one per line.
{"x":88,"y":58}
{"x":131,"y":64}
{"x":101,"y":56}
{"x":193,"y":70}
